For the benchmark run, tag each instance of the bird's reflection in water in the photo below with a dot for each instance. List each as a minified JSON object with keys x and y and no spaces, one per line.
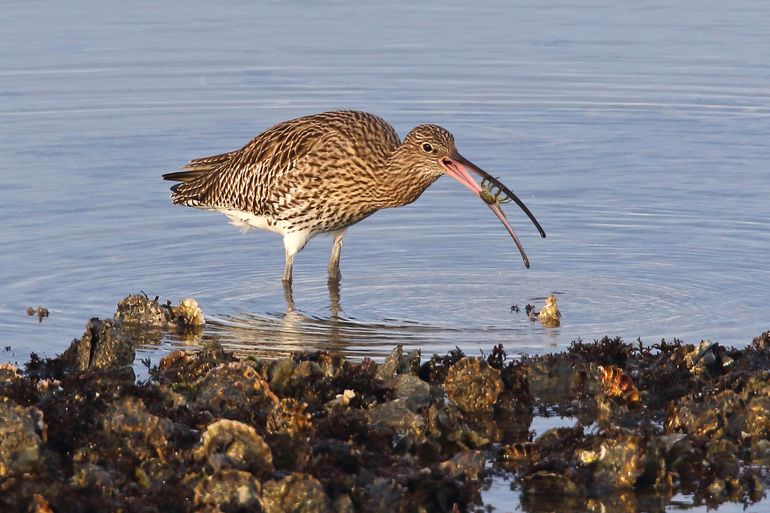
{"x":280,"y":334}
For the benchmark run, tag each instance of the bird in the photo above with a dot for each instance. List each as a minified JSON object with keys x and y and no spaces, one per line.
{"x":322,"y":173}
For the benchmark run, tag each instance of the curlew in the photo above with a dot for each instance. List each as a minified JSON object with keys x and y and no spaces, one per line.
{"x":325,"y":172}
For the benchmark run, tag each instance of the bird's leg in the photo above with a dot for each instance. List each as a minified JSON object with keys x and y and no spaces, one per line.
{"x":293,"y":242}
{"x":287,"y":269}
{"x":288,"y":296}
{"x":334,"y":298}
{"x":334,"y":261}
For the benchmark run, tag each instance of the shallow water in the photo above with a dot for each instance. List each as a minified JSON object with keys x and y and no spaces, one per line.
{"x":637,"y":134}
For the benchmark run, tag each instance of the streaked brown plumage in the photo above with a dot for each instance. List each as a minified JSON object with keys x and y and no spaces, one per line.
{"x":323,"y":173}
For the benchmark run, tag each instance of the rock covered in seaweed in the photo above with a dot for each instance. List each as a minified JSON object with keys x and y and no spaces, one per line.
{"x":316,"y":432}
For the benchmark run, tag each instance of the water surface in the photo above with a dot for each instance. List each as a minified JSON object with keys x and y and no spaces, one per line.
{"x":636,"y":134}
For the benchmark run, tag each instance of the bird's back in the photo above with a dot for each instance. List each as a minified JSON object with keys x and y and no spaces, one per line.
{"x":284,"y":170}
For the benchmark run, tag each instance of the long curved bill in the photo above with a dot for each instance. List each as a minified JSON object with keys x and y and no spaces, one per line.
{"x":458,"y":167}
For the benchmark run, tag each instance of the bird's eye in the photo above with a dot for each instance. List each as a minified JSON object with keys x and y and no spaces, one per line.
{"x":427,"y":148}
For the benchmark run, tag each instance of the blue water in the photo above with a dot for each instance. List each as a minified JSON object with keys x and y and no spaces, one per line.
{"x":636,"y":133}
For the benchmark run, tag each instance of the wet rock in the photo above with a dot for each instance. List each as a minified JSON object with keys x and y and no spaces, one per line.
{"x":758,"y":417}
{"x":302,"y":373}
{"x":297,"y":493}
{"x":703,"y":358}
{"x":446,"y":424}
{"x":142,"y":434}
{"x":390,"y":366}
{"x":40,"y":505}
{"x":20,"y":438}
{"x":762,"y":342}
{"x":8,"y":372}
{"x":280,"y":372}
{"x":618,"y":385}
{"x":435,"y":492}
{"x":93,"y":476}
{"x":553,"y":379}
{"x":182,"y":368}
{"x":473,"y":385}
{"x":104,"y":345}
{"x":229,"y":444}
{"x":760,"y":451}
{"x":548,"y":483}
{"x":229,"y":490}
{"x":146,"y":319}
{"x":550,"y":316}
{"x":289,"y":416}
{"x":341,"y":401}
{"x":414,"y":391}
{"x":435,"y":370}
{"x":288,"y":429}
{"x":397,"y":362}
{"x":343,"y":504}
{"x":619,"y":463}
{"x":398,"y":416}
{"x":138,"y":309}
{"x":189,"y":314}
{"x":514,"y":456}
{"x":385,"y":495}
{"x":467,"y":464}
{"x":698,"y":419}
{"x":318,"y":433}
{"x":235,"y":391}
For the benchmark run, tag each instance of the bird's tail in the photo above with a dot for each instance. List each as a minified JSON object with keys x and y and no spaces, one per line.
{"x":182,"y":194}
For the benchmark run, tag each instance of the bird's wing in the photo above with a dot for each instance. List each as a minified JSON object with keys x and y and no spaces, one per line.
{"x":283,"y":162}
{"x":207,"y":163}
{"x":246,"y":179}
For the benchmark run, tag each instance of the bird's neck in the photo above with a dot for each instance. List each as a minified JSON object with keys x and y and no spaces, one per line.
{"x":400,"y":183}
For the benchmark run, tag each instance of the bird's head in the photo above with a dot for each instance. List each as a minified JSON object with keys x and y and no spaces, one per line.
{"x":431,"y":150}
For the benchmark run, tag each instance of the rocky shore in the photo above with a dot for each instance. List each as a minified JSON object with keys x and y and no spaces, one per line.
{"x":318,"y":433}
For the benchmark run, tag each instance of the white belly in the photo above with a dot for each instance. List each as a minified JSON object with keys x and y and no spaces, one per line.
{"x":246,"y":220}
{"x":293,"y":241}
